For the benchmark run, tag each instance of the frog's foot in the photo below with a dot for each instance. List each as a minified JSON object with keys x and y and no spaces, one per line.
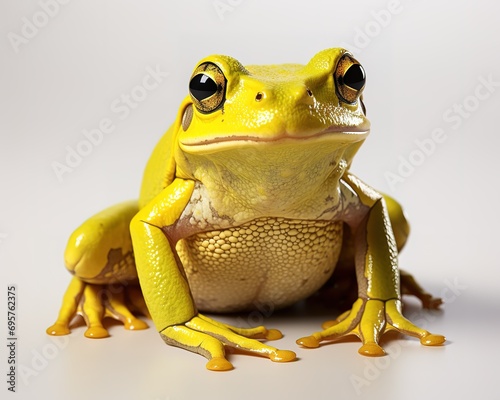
{"x":207,"y":337}
{"x":369,"y":320}
{"x":411,"y":287}
{"x":96,"y":302}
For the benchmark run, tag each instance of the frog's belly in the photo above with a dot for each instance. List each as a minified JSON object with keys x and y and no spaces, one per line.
{"x":270,"y":261}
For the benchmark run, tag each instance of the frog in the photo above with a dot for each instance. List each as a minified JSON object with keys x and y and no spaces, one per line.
{"x":247,"y":201}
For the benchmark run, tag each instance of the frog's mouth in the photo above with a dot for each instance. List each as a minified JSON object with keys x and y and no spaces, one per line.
{"x":338,"y":135}
{"x":276,"y":174}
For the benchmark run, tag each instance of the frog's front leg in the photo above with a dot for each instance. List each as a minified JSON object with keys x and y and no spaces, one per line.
{"x":99,"y":255}
{"x":378,"y":308}
{"x":166,"y":289}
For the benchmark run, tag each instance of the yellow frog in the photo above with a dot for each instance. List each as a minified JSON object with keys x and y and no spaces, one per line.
{"x":248,"y":200}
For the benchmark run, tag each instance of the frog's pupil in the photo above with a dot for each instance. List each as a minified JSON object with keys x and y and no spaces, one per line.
{"x":202,"y":86}
{"x":355,"y":77}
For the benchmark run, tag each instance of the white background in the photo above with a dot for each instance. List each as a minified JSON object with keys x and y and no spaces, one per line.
{"x":424,"y":60}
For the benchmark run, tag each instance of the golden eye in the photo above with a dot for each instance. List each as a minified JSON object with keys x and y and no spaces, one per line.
{"x":350,"y":79}
{"x":207,"y":87}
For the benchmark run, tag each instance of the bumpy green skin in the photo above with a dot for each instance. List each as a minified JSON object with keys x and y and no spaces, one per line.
{"x":248,"y":201}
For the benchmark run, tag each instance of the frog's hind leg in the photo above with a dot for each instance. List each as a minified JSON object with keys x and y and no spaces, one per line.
{"x":69,"y":308}
{"x":401,"y":229}
{"x":99,"y":254}
{"x":341,"y":288}
{"x":258,"y":332}
{"x":136,"y":300}
{"x":409,"y":286}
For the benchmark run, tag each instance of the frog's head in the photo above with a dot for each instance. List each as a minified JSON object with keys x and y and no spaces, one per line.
{"x":296,"y":121}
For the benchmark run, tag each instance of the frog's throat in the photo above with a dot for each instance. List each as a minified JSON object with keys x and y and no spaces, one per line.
{"x":287,"y":177}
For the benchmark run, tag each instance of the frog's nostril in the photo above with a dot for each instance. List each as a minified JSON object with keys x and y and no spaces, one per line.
{"x":259,"y":96}
{"x":304,"y":95}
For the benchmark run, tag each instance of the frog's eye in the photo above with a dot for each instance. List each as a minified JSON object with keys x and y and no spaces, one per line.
{"x":350,"y":79}
{"x":207,"y":87}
